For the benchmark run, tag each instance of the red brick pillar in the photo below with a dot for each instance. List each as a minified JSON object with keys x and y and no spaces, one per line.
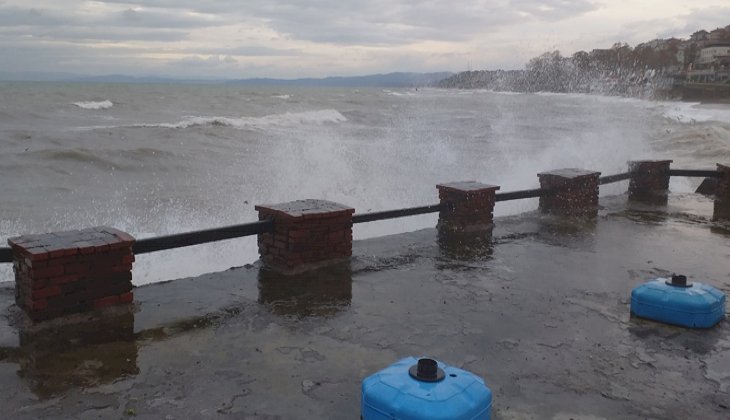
{"x":723,"y":183}
{"x":307,"y":234}
{"x":649,"y":178}
{"x":575,"y":191}
{"x":722,"y":194}
{"x":69,"y":272}
{"x":471,"y":205}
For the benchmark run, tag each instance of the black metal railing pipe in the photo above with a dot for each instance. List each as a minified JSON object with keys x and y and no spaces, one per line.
{"x":609,"y":179}
{"x":518,"y":195}
{"x":393,"y":214}
{"x":143,"y":246}
{"x":180,"y":240}
{"x":694,"y":173}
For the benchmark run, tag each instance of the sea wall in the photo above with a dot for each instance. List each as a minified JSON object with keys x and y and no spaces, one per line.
{"x":706,"y":92}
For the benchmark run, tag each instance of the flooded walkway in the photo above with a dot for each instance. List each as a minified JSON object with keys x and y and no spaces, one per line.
{"x":540,"y":311}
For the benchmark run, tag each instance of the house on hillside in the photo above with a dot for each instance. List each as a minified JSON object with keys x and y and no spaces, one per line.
{"x":712,"y":53}
{"x":712,"y":65}
{"x":698,"y":36}
{"x":718,"y":35}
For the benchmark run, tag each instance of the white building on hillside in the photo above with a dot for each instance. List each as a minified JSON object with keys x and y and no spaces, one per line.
{"x":709,"y":54}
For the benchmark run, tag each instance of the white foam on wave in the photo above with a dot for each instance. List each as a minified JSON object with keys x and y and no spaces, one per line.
{"x":392,"y":93}
{"x":287,"y":119}
{"x":695,"y":112}
{"x":282,"y":96}
{"x":95,"y":105}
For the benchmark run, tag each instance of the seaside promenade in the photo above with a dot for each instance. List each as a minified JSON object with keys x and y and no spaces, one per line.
{"x":540,"y":311}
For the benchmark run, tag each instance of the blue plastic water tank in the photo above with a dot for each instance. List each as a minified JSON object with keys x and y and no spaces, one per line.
{"x":674,"y":301}
{"x":424,"y":389}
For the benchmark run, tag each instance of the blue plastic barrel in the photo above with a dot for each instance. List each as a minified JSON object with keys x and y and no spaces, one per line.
{"x":674,"y":301}
{"x":424,"y":389}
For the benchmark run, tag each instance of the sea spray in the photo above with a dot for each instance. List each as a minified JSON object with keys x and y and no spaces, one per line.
{"x":158,"y":172}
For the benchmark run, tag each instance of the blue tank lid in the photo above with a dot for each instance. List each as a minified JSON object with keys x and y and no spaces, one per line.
{"x":424,"y":389}
{"x":675,"y":301}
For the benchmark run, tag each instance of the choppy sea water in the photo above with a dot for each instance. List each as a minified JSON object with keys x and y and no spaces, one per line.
{"x":162,"y":159}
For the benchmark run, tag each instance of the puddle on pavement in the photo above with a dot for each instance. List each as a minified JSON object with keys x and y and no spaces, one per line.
{"x":465,"y":246}
{"x":317,"y":293}
{"x":56,"y":357}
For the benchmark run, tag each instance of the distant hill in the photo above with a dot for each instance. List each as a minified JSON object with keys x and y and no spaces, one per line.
{"x":120,"y":78}
{"x":654,"y":69}
{"x":375,"y":80}
{"x":37,"y":76}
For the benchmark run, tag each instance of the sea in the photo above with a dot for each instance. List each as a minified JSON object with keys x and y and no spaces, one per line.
{"x":158,"y":159}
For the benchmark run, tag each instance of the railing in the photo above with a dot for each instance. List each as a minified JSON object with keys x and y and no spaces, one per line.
{"x":179,"y":240}
{"x":161,"y":243}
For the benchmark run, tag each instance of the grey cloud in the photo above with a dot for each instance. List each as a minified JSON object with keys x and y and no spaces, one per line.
{"x":129,"y":25}
{"x":158,"y":19}
{"x":16,"y":16}
{"x":73,"y":58}
{"x":80,"y":34}
{"x":552,"y":10}
{"x":708,"y":19}
{"x":681,"y":26}
{"x":211,"y":61}
{"x":380,"y":22}
{"x":251,"y":51}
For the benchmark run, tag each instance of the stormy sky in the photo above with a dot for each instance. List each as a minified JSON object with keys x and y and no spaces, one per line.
{"x":315,"y":38}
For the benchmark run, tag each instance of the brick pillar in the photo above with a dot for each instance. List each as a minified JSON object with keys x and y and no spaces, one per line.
{"x":723,"y":183}
{"x":722,"y":194}
{"x":649,"y":179}
{"x":69,"y":272}
{"x":307,"y":234}
{"x":471,"y":205}
{"x":576,"y":191}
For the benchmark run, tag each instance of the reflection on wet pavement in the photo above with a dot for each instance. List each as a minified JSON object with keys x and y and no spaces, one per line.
{"x":721,"y":211}
{"x":91,"y":351}
{"x":319,"y":293}
{"x":465,"y":246}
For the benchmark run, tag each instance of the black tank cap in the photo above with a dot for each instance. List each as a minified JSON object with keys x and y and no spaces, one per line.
{"x":426,"y":370}
{"x":678,"y":280}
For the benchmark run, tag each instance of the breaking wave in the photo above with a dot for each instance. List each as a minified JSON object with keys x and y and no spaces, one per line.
{"x":94,"y":105}
{"x":694,"y":112}
{"x":282,"y":120}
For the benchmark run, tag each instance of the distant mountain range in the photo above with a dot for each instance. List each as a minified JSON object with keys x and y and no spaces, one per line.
{"x":374,"y":80}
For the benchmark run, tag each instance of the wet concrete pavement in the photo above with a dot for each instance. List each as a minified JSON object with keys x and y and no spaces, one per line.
{"x":540,"y":310}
